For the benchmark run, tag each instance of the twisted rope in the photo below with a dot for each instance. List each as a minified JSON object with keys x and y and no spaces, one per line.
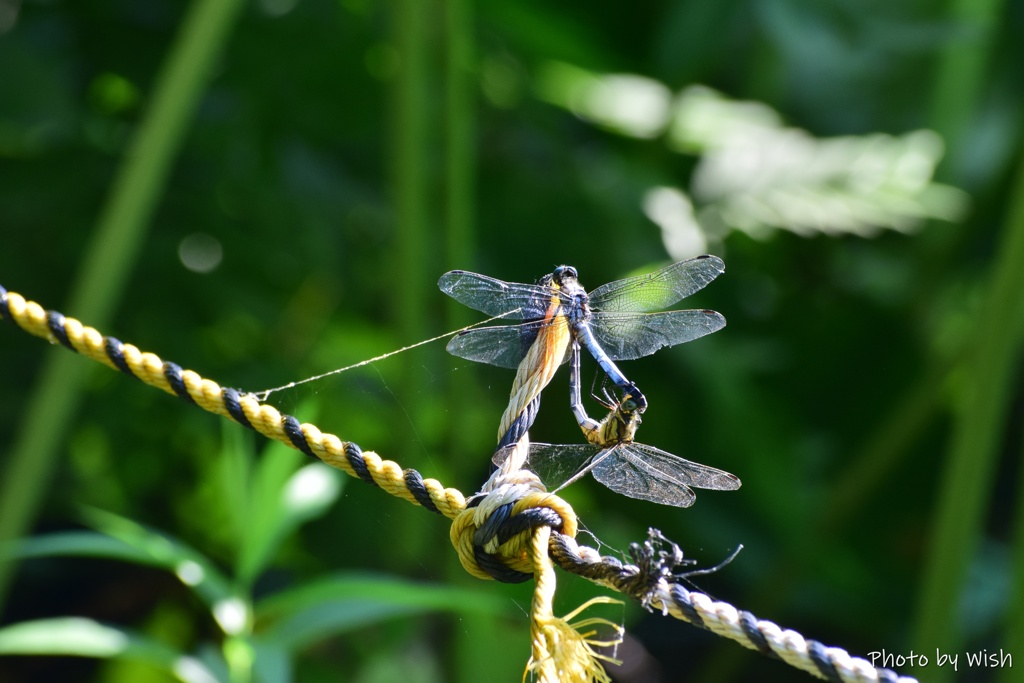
{"x":561,"y":650}
{"x":503,"y":522}
{"x":492,"y":534}
{"x":654,"y":580}
{"x":407,"y":484}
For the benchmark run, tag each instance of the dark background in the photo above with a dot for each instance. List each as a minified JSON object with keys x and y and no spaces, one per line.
{"x":867,"y":389}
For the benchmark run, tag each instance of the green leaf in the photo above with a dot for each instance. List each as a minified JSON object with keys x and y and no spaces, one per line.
{"x":756,"y":174}
{"x":235,"y":463}
{"x":88,"y":638}
{"x":81,"y":544}
{"x":282,"y":497}
{"x":152,"y":547}
{"x":272,"y":664}
{"x":302,"y":616}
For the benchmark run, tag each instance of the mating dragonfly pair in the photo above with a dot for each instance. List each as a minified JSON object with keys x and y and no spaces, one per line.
{"x":613,"y":322}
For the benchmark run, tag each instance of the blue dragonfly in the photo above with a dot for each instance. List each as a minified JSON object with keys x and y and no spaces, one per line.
{"x":616,"y":321}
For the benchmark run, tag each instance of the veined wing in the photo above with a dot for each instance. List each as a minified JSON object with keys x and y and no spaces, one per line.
{"x":504,"y":346}
{"x":557,"y":465}
{"x":496,"y":297}
{"x":657,"y":290}
{"x":648,"y":473}
{"x":627,"y":336}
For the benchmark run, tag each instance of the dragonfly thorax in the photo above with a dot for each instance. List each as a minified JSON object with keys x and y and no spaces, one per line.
{"x":575,"y":301}
{"x":619,"y":426}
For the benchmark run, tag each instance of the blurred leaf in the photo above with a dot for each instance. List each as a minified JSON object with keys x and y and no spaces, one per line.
{"x":412,"y":664}
{"x":672,"y":211}
{"x":82,"y":544}
{"x":192,"y":567}
{"x":631,"y":105}
{"x":273,"y":664}
{"x":235,"y":466}
{"x":260,"y":524}
{"x":299,"y":617}
{"x":88,"y":638}
{"x":281,"y":497}
{"x":318,"y":623}
{"x":280,"y":510}
{"x":755,"y":174}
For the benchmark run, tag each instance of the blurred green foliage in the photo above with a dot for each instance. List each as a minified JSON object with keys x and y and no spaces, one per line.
{"x":342,"y":154}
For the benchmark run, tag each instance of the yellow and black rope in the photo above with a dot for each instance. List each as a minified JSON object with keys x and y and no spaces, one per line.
{"x":513,"y":503}
{"x":492,"y":544}
{"x":347,"y":456}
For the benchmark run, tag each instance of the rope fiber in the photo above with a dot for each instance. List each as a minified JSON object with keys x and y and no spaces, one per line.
{"x":501,"y":533}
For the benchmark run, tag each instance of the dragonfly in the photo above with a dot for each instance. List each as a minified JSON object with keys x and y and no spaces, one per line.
{"x":613,"y":322}
{"x":617,"y":461}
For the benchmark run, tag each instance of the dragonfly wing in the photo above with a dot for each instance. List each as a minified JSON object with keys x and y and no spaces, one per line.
{"x":626,"y":336}
{"x":632,"y":479}
{"x":506,"y":345}
{"x":558,"y":465}
{"x":503,"y":346}
{"x":658,"y":290}
{"x":648,"y":473}
{"x":495,"y":297}
{"x":682,"y":470}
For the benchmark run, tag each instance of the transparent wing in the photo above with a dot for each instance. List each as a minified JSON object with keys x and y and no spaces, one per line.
{"x":626,"y":336}
{"x":495,"y":297}
{"x":555,"y":464}
{"x":658,"y":290}
{"x":505,"y":346}
{"x":501,"y":455}
{"x":502,"y":346}
{"x":648,"y":473}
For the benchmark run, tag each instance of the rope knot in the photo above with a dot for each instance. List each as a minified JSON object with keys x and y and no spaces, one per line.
{"x":492,"y":535}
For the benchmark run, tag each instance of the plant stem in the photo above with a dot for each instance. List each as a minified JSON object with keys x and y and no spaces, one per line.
{"x":107,"y":261}
{"x":986,"y":375}
{"x":962,"y":70}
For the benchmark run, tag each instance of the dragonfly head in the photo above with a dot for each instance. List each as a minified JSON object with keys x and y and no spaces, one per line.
{"x":633,"y":401}
{"x":564,"y":273}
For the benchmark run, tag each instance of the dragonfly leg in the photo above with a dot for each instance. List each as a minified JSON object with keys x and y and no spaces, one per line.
{"x":605,"y":398}
{"x":587,"y":424}
{"x":585,"y":336}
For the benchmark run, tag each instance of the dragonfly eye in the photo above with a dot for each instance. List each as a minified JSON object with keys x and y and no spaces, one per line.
{"x":562,"y":272}
{"x":628,"y":405}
